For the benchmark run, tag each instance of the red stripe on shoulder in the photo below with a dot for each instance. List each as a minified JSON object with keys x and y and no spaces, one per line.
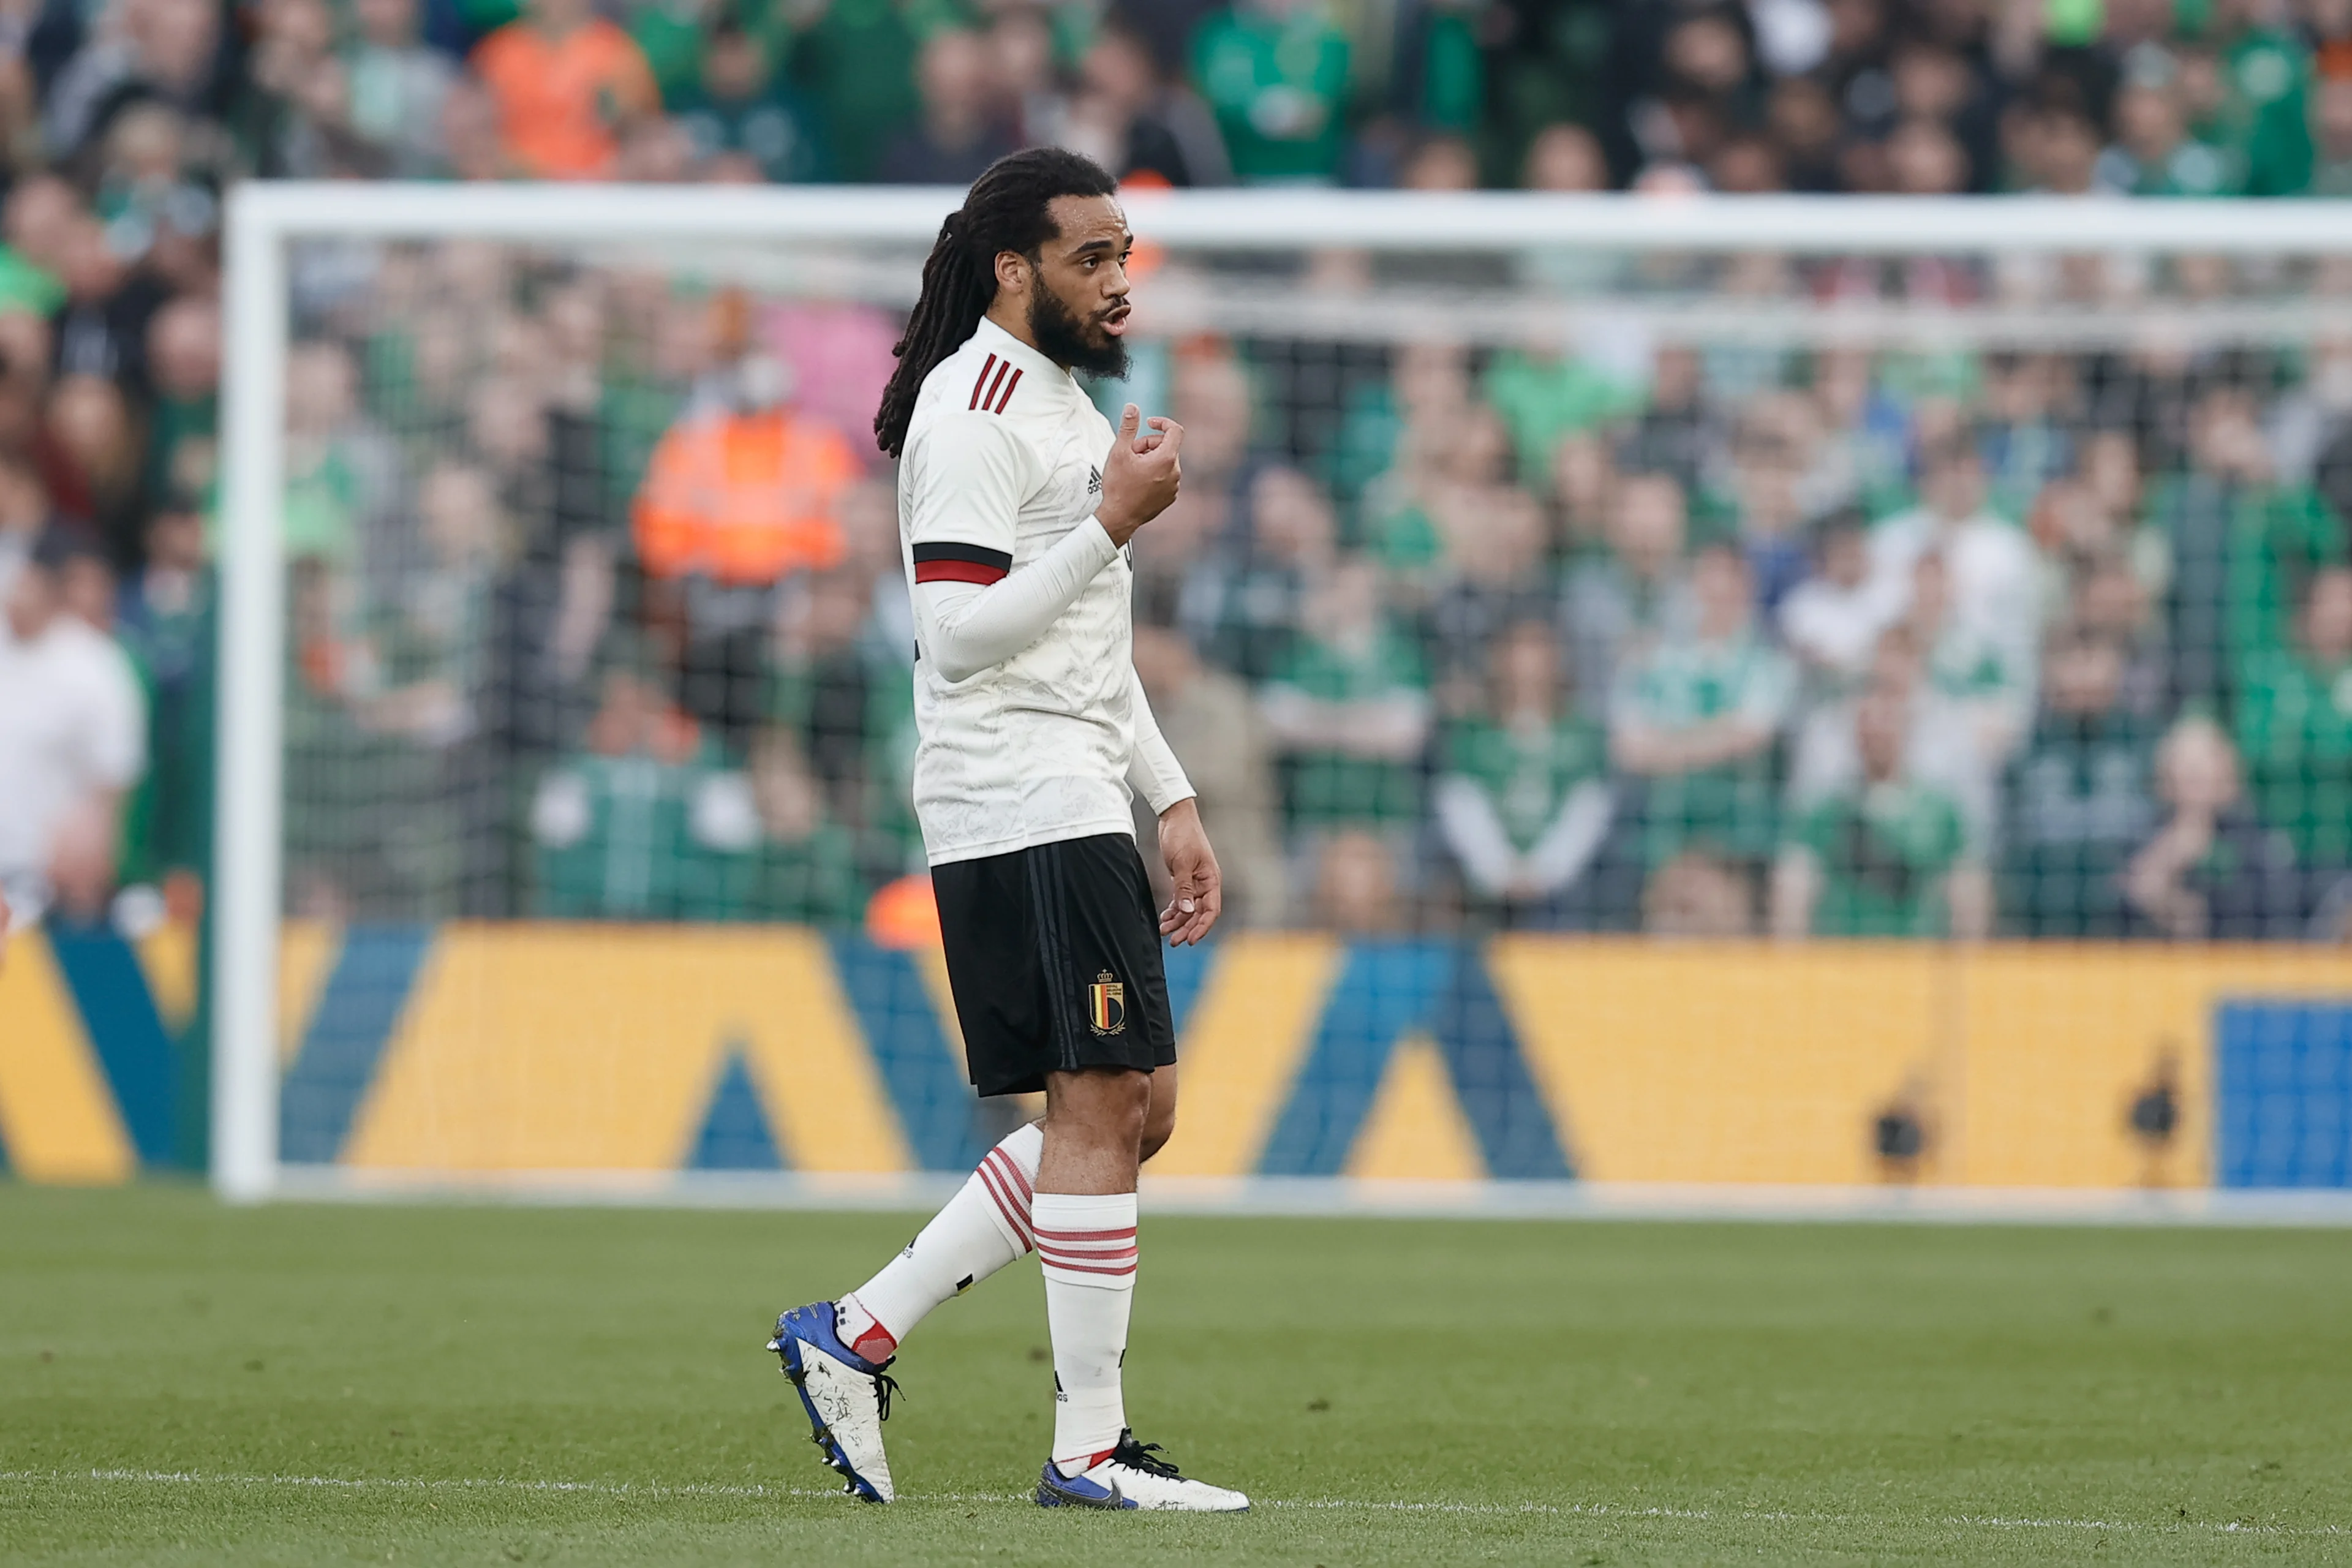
{"x":1005,"y":402}
{"x":981,"y":383}
{"x":958,"y":571}
{"x":988,"y":401}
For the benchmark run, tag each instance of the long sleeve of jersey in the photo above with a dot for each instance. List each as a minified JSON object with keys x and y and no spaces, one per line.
{"x":1154,"y":768}
{"x":972,"y":611}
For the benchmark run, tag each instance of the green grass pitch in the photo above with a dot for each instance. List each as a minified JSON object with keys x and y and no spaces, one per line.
{"x":182,"y":1383}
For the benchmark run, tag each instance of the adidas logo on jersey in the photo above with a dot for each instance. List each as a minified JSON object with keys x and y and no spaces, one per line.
{"x":1094,"y":481}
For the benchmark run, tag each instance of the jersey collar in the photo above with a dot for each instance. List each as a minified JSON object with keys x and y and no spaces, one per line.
{"x":1038,"y":370}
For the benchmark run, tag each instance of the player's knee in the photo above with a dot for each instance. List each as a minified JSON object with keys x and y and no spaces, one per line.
{"x":1157,"y":1128}
{"x":1108,"y":1108}
{"x":1128,"y":1110}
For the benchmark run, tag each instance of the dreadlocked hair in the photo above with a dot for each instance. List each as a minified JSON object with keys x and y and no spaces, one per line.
{"x":1004,"y":210}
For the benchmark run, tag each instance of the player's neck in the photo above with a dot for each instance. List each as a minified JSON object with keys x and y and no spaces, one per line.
{"x":1013,"y":320}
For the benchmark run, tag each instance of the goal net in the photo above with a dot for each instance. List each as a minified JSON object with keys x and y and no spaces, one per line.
{"x":1684,"y":691}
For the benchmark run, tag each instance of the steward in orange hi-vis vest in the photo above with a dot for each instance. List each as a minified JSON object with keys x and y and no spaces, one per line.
{"x":743,"y":496}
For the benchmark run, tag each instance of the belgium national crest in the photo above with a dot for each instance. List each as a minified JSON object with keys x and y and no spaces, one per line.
{"x":1106,"y":1005}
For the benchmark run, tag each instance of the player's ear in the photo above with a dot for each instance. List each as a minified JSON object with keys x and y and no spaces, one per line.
{"x":1012,"y":272}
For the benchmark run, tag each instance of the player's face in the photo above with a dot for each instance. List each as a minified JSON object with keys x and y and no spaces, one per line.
{"x":1078,"y":311}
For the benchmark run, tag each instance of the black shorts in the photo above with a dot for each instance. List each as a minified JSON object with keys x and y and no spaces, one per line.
{"x":1054,"y":955}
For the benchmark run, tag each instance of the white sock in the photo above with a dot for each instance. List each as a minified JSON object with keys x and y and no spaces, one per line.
{"x":983,"y":1228}
{"x":1087,"y":1245}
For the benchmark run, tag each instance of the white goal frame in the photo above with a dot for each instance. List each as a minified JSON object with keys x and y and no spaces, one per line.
{"x":263,"y":218}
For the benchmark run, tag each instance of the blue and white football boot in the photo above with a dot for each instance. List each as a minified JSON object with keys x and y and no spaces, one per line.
{"x":1135,"y":1477}
{"x":847,"y":1397}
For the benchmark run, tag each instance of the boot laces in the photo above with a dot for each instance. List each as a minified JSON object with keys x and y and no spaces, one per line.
{"x":1142,"y":1457}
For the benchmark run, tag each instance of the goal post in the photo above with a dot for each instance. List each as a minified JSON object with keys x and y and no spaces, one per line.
{"x":1474,"y":270}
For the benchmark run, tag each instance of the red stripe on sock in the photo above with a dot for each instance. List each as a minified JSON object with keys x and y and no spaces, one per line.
{"x":981,"y":382}
{"x":1091,"y":1255}
{"x":1085,"y":1234}
{"x":1050,"y":1261}
{"x":1015,"y":1181}
{"x":1107,"y":1255}
{"x":1005,"y":1205}
{"x":1012,"y":1168}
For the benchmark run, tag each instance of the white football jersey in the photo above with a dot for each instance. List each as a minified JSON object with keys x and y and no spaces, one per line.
{"x":1004,"y":458}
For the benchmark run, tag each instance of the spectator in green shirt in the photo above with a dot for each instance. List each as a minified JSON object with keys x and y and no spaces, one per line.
{"x":1276,"y":75}
{"x":737,"y":113}
{"x":2263,"y":75}
{"x":2080,"y":799}
{"x":1247,"y":615}
{"x":1524,"y":802}
{"x":640,"y":823}
{"x":855,"y":59}
{"x":1351,"y":709}
{"x":1497,"y":576}
{"x":1879,"y":861}
{"x":167,"y":623}
{"x":2239,"y":548}
{"x":2282,"y":535}
{"x":2295,"y":723}
{"x":1698,"y":719}
{"x":2153,"y":154}
{"x":1639,"y":591}
{"x":804,"y":866}
{"x":1544,"y":396}
{"x":184,"y":362}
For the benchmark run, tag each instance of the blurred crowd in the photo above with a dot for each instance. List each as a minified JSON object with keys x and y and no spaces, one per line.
{"x":597,"y":611}
{"x":596,"y":607}
{"x":1836,"y":642}
{"x":151,"y":106}
{"x":2138,"y":97}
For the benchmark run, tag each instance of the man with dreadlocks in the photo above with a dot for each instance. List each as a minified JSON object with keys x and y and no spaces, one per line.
{"x":1015,"y":505}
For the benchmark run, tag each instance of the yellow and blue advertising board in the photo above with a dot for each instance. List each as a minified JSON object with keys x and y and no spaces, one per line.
{"x":483,"y":1050}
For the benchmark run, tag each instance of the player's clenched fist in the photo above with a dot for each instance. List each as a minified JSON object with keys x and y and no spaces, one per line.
{"x":1141,"y":474}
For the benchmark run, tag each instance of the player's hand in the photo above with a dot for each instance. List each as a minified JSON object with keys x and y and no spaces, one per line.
{"x":1192,"y":866}
{"x":1142,"y":475}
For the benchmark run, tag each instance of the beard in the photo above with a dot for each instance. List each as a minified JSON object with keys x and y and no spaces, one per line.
{"x":1061,"y":337}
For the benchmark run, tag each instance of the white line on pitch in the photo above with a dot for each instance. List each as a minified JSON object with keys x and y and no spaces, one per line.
{"x":720,"y":1490}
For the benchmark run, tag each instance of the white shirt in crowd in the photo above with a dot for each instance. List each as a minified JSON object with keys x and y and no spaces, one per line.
{"x":1027,"y":708}
{"x":72,"y":722}
{"x":1837,"y":628}
{"x":1990,"y":566}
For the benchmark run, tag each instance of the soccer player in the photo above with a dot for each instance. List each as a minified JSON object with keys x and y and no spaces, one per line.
{"x":1016,"y":506}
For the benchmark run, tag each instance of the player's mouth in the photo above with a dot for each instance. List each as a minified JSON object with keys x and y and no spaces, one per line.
{"x":1113,"y":321}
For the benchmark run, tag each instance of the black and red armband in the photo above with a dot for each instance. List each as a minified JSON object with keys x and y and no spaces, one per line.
{"x":961,"y":564}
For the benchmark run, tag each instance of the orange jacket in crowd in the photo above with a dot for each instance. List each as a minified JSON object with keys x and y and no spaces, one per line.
{"x":561,"y":99}
{"x":742,"y":498}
